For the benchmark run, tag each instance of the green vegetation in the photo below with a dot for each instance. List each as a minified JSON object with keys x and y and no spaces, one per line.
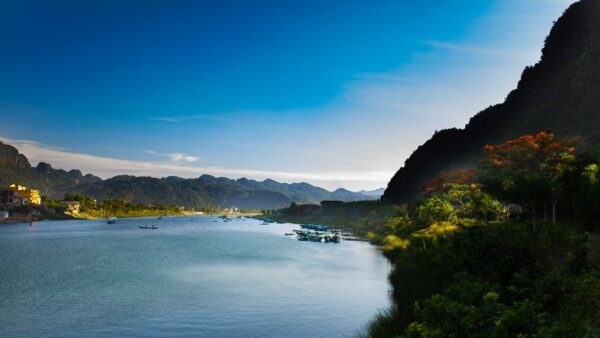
{"x":362,"y":217}
{"x":55,"y":209}
{"x":510,"y":251}
{"x":465,"y":265}
{"x":90,"y":208}
{"x":492,"y":280}
{"x":39,"y":213}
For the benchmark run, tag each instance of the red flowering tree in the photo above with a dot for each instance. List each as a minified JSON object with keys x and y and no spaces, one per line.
{"x":446,"y":179}
{"x":529,"y":170}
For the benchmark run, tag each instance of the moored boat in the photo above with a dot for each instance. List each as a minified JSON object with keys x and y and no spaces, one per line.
{"x":151,"y":227}
{"x":318,"y":236}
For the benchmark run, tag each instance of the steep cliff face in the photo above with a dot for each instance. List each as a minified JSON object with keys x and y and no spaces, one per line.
{"x":15,"y":168}
{"x":561,"y":92}
{"x":10,"y":156}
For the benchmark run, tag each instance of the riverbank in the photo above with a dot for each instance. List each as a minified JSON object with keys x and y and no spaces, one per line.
{"x":366,"y":219}
{"x":25,"y":214}
{"x":233,"y":214}
{"x":44,"y":214}
{"x":96,"y":214}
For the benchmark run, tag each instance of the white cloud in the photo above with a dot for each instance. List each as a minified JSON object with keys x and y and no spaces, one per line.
{"x":178,"y":157}
{"x":175,"y":157}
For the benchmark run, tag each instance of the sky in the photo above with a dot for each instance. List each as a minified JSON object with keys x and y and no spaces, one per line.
{"x":334,"y":93}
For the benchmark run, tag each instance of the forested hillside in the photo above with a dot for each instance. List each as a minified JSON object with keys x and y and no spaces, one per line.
{"x":561,"y":92}
{"x":202,"y":192}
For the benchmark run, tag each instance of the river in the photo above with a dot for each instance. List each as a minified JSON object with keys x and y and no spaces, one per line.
{"x":192,"y":277}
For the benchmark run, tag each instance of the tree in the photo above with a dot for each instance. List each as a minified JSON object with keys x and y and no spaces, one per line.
{"x":448,"y":178}
{"x":470,"y":201}
{"x":87,"y":202}
{"x":436,"y":209}
{"x":461,"y":203}
{"x":529,"y":170}
{"x":582,"y":191}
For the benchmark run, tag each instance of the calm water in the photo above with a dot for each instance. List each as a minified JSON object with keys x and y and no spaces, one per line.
{"x":192,"y":277}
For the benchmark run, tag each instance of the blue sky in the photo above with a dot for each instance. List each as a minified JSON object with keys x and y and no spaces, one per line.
{"x":337,"y":94}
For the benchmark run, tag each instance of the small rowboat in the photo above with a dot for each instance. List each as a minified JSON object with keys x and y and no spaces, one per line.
{"x":151,"y":227}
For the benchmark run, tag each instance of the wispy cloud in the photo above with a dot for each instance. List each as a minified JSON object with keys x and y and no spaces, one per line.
{"x":106,"y":167}
{"x":175,"y":157}
{"x":166,"y":119}
{"x":464,"y":48}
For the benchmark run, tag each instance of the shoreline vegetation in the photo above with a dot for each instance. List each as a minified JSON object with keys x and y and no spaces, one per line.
{"x":507,"y":248}
{"x":79,"y":206}
{"x":141,"y":214}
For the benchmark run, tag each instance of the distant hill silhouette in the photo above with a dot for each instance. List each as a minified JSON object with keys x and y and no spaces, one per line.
{"x":375,"y":193}
{"x":204,"y":191}
{"x":561,"y":92}
{"x":208,"y":190}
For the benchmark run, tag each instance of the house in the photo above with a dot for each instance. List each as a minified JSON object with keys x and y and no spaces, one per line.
{"x":4,"y":215}
{"x":73,"y":207}
{"x":31,"y":195}
{"x":17,"y":195}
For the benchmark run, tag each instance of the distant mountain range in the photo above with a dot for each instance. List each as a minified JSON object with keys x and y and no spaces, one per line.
{"x":561,"y":92}
{"x":204,"y":191}
{"x":375,"y":193}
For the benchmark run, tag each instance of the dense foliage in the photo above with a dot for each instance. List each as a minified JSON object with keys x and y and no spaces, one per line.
{"x":494,"y":280}
{"x":119,"y":208}
{"x":532,"y":170}
{"x":467,"y":265}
